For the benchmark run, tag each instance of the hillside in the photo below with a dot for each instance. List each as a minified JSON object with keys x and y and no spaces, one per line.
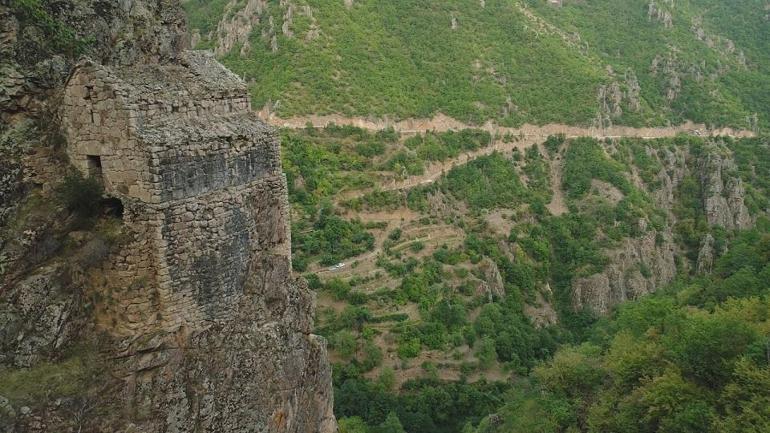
{"x":470,"y":216}
{"x":599,"y":62}
{"x":456,"y":263}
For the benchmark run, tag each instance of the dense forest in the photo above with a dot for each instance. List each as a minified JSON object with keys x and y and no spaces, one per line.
{"x":635,"y":62}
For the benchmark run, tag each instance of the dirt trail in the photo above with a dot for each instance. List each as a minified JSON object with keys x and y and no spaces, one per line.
{"x":441,"y":123}
{"x":435,"y":170}
{"x":558,"y":205}
{"x":525,"y":136}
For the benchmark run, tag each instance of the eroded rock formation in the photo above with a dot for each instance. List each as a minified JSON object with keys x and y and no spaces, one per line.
{"x":637,"y":267}
{"x":641,"y":265}
{"x":723,"y":193}
{"x":183,"y":315}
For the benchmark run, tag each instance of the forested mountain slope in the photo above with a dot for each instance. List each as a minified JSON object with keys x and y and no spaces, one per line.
{"x":444,"y":299}
{"x":600,"y":62}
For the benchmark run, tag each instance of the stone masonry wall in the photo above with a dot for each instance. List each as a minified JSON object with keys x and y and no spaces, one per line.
{"x":194,"y":160}
{"x":201,"y":180}
{"x":211,"y":241}
{"x":98,"y":122}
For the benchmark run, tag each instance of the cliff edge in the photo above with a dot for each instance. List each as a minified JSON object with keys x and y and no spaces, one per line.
{"x":145,"y":264}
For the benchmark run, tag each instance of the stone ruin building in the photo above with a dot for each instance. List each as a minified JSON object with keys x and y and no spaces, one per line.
{"x":212,"y":332}
{"x":199,"y":178}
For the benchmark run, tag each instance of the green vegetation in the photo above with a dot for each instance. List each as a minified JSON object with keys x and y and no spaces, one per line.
{"x":384,"y":58}
{"x":204,"y":15}
{"x":330,"y":238}
{"x":441,"y":146}
{"x":443,"y":304}
{"x":692,"y":358}
{"x":538,"y":177}
{"x":585,"y":161}
{"x":753,"y":159}
{"x":59,"y":38}
{"x":322,"y":163}
{"x":517,"y":62}
{"x":423,"y":406}
{"x":81,"y":195}
{"x":553,"y":143}
{"x":625,"y":37}
{"x":27,"y":386}
{"x":487,"y":182}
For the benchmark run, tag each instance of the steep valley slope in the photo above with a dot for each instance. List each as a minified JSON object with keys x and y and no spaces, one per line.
{"x":510,"y":216}
{"x":454,"y":262}
{"x":601,"y":63}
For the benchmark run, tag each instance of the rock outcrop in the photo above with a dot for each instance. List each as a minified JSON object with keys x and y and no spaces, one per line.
{"x":178,"y":312}
{"x":706,"y":256}
{"x":541,"y":311}
{"x":723,"y":193}
{"x":644,"y":264}
{"x":237,"y":25}
{"x":491,"y":286}
{"x":638,"y":267}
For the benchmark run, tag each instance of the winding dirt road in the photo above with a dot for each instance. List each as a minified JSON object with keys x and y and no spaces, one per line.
{"x":524,"y":137}
{"x":441,"y":123}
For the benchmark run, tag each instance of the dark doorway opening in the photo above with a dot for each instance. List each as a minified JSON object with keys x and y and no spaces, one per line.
{"x":94,"y":166}
{"x":113,"y":207}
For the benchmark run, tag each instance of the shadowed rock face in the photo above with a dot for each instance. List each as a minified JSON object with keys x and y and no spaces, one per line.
{"x":191,"y":320}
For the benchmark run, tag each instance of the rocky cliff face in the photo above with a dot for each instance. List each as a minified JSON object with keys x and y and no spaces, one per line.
{"x":638,"y":267}
{"x":71,"y":357}
{"x":643,"y":264}
{"x":723,"y":193}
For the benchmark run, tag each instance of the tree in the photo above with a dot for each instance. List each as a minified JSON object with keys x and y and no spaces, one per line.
{"x":81,"y":195}
{"x":387,"y":378}
{"x":485,"y":352}
{"x":344,"y":342}
{"x":391,"y":425}
{"x":746,"y":400}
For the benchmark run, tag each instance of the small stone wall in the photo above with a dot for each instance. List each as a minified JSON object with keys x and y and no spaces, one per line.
{"x":156,"y":111}
{"x":98,"y":122}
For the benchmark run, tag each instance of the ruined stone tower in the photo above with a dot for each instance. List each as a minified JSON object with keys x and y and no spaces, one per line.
{"x":199,"y":176}
{"x":213,"y":331}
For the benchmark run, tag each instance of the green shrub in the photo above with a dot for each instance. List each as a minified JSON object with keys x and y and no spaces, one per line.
{"x":553,"y":143}
{"x":416,"y":246}
{"x":81,"y":195}
{"x":345,"y":343}
{"x":485,"y":352}
{"x":409,"y":348}
{"x":59,"y":37}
